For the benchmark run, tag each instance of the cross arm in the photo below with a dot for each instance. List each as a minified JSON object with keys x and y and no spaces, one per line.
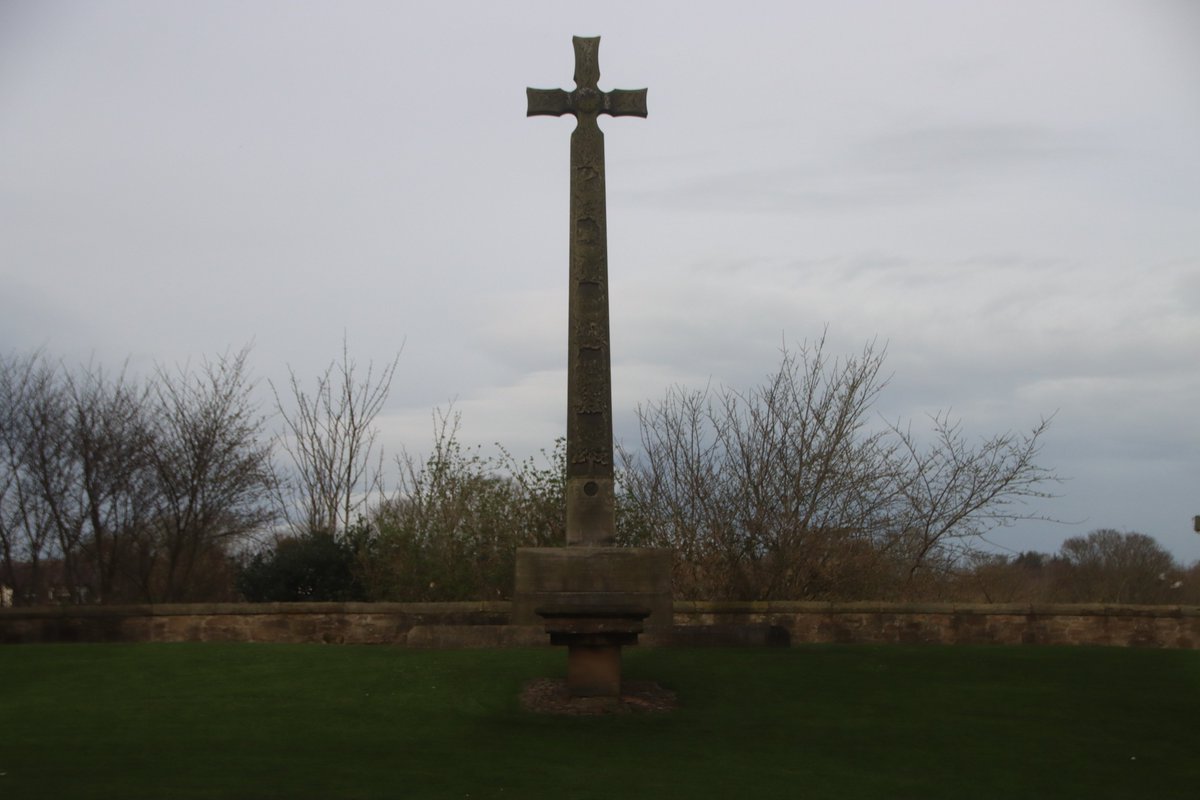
{"x":625,"y":103}
{"x":548,"y":103}
{"x":556,"y":102}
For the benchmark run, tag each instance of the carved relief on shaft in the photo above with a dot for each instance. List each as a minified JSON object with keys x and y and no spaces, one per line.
{"x":590,"y":517}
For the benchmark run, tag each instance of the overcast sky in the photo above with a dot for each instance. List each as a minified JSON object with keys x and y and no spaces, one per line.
{"x":1005,"y":193}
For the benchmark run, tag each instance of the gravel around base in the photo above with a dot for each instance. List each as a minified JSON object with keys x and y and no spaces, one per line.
{"x":550,"y":696}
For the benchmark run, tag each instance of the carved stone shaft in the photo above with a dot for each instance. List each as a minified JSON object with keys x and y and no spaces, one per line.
{"x":589,"y":490}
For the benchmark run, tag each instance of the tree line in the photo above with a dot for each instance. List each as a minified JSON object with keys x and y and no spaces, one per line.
{"x":174,"y":488}
{"x":119,"y":490}
{"x":1105,"y":566}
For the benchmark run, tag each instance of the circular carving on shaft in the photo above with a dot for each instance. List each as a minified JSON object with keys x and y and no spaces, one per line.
{"x":590,"y":488}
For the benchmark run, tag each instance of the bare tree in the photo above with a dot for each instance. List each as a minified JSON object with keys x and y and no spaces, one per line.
{"x":127,"y":489}
{"x":330,"y":437}
{"x":950,"y":492}
{"x":74,"y":480}
{"x":109,"y":447}
{"x":752,"y":490}
{"x":786,"y":491}
{"x":26,"y":521}
{"x":212,"y":473}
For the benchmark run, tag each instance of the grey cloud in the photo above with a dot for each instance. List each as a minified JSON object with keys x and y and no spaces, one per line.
{"x":888,"y":169}
{"x":967,"y":147}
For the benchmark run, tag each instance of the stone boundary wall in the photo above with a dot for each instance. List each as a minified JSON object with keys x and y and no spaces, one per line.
{"x":482,"y":624}
{"x":786,"y":623}
{"x":486,"y":624}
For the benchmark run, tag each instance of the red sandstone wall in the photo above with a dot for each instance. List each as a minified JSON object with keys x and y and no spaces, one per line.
{"x":696,"y":623}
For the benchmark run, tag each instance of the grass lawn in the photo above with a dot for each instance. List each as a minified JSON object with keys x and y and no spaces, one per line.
{"x":214,"y":720}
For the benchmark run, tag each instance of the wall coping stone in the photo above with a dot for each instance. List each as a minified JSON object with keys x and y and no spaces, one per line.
{"x":252,"y":609}
{"x":696,"y":623}
{"x":502,"y":607}
{"x":876,"y":607}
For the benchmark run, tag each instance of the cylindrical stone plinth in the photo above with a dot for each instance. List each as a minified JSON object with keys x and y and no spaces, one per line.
{"x":594,"y":670}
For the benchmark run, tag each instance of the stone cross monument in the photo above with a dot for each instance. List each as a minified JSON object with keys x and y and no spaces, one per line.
{"x":589,"y":489}
{"x":591,"y":596}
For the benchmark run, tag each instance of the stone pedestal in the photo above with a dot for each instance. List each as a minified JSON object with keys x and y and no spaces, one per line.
{"x":597,"y":576}
{"x":593,"y":600}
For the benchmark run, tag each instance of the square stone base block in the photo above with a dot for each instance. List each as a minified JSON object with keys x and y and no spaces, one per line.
{"x":603,"y":576}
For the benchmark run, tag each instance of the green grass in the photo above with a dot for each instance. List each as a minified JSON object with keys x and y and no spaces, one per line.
{"x":181,"y":721}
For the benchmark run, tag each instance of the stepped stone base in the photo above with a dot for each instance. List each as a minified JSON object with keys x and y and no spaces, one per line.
{"x":593,"y":636}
